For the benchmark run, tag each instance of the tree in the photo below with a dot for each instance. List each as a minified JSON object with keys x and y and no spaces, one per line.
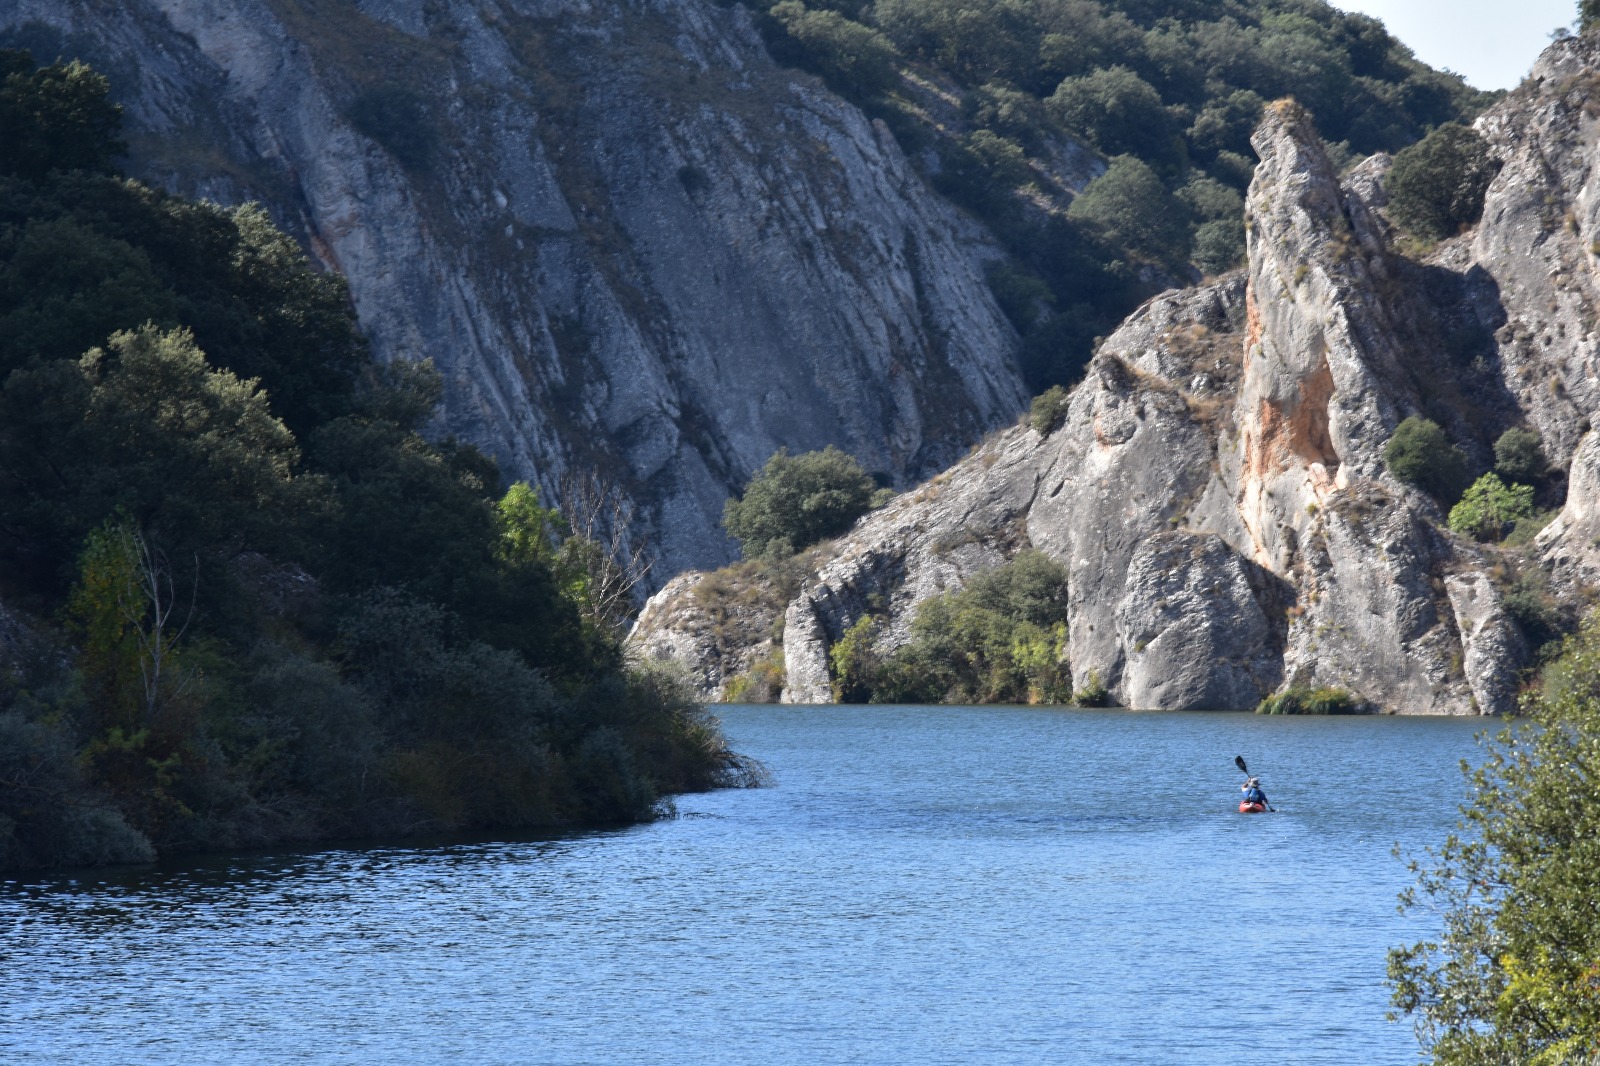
{"x":1421,"y":454}
{"x":1515,"y":975}
{"x":1519,"y":455}
{"x":1437,"y":185}
{"x":1117,"y":110}
{"x":1129,"y":208}
{"x":855,"y":59}
{"x":798,"y":500}
{"x":58,"y":117}
{"x":132,"y":616}
{"x":1588,"y":13}
{"x":1490,"y":507}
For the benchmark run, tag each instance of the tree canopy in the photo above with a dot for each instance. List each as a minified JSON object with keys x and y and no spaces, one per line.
{"x":264,"y":605}
{"x":1178,"y":85}
{"x":797,"y":500}
{"x":1514,"y":977}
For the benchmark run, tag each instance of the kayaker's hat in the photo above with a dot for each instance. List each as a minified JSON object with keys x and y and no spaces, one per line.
{"x":1253,"y":781}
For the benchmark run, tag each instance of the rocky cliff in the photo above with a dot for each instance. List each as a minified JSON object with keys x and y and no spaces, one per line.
{"x":631,"y":243}
{"x":1217,"y":491}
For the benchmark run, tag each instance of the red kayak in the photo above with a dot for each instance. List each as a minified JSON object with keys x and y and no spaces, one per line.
{"x":1247,"y":807}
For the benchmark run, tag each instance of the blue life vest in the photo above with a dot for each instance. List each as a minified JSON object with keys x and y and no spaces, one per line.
{"x":1254,"y":795}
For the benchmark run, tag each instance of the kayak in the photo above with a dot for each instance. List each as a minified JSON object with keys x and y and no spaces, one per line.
{"x":1247,"y":807}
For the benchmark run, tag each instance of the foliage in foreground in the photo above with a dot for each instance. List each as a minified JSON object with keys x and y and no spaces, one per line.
{"x":1001,"y":639}
{"x":1515,"y":975}
{"x":263,"y":606}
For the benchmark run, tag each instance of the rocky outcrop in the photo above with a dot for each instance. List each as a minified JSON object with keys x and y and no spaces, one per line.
{"x":630,"y":242}
{"x":1218,"y":493}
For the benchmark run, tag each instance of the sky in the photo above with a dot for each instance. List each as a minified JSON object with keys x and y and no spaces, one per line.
{"x":1490,"y":42}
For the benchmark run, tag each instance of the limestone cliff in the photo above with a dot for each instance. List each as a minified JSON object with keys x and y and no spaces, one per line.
{"x":630,"y":242}
{"x":1217,"y":492}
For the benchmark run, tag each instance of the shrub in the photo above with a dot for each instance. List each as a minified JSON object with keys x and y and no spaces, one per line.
{"x":1301,"y":700}
{"x":1490,"y":507}
{"x":1519,"y":456}
{"x":1117,"y":110}
{"x":855,"y":59}
{"x":999,"y":640}
{"x":1420,"y":454}
{"x":1437,"y":185}
{"x":1049,"y":410}
{"x":1093,"y":693}
{"x":798,"y":500}
{"x":1509,"y":975}
{"x":1021,"y":294}
{"x":1219,"y":245}
{"x":1129,"y":208}
{"x":855,"y":661}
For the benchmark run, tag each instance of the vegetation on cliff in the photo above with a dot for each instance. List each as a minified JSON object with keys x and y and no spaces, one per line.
{"x":1001,"y":639}
{"x":265,"y":605}
{"x":798,"y":500}
{"x":989,"y":95}
{"x":1515,"y":976}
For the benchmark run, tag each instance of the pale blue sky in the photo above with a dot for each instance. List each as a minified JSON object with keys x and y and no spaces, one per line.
{"x":1491,"y":42}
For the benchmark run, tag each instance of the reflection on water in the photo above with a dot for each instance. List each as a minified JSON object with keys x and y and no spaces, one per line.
{"x":922,"y":885}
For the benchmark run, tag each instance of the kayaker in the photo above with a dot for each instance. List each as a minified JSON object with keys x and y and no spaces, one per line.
{"x":1252,"y":792}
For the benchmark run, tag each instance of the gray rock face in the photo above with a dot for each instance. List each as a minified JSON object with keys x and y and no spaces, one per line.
{"x":1218,"y":493}
{"x":1193,"y":627}
{"x":630,"y":242}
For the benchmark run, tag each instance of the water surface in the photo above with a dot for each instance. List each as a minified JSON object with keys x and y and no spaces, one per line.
{"x":921,"y":885}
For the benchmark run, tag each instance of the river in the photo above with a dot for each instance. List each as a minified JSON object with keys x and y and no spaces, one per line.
{"x":919,"y":885}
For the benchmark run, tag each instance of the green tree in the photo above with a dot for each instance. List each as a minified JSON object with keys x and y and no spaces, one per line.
{"x":1437,"y":185}
{"x":1118,"y":111}
{"x":1490,"y":507}
{"x":1420,"y":454}
{"x":798,"y":500}
{"x":1515,"y":975}
{"x":1588,"y":13}
{"x":57,"y":117}
{"x":1128,"y":207}
{"x":1519,"y":455}
{"x":855,"y":59}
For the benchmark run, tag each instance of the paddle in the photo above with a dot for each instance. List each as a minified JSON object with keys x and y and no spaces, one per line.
{"x":1238,"y":760}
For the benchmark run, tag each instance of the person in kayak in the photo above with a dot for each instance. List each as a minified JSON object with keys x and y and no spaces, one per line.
{"x":1252,"y":792}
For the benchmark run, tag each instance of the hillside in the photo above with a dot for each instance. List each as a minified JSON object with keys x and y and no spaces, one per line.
{"x":1218,"y":490}
{"x":639,"y":249}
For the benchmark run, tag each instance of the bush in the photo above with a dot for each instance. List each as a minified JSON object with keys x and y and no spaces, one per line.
{"x":1219,"y":245}
{"x":999,"y":640}
{"x":1420,"y":454}
{"x":1300,"y":700}
{"x":798,"y":500}
{"x":1519,"y":456}
{"x":1437,"y":185}
{"x":854,"y":59}
{"x":1116,"y":110}
{"x":1129,"y":208}
{"x":1093,"y":693}
{"x":1049,"y":410}
{"x":58,"y":117}
{"x":1490,"y":507}
{"x":1021,"y":294}
{"x":854,"y":661}
{"x":1510,"y":976}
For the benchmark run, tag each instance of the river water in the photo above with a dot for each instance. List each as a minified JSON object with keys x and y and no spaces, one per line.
{"x":919,"y":885}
